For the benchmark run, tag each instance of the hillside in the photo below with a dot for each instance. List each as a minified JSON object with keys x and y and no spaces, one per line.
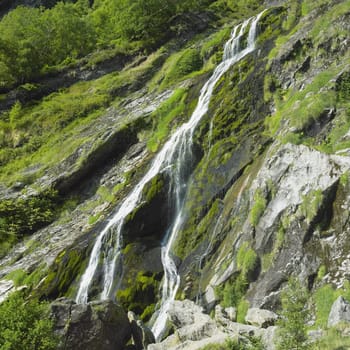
{"x":175,"y":160}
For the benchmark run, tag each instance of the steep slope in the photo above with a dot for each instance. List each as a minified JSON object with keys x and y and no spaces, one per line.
{"x":266,"y":195}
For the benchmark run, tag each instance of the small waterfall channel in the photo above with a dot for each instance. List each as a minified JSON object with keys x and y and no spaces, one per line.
{"x":173,"y":158}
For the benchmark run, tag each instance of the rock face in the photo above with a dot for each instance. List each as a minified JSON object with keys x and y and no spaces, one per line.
{"x":96,"y":325}
{"x":193,"y":329}
{"x":142,"y":336}
{"x":340,"y":312}
{"x":261,"y":318}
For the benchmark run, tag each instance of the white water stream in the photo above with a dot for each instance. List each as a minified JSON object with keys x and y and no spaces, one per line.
{"x":232,"y":54}
{"x":173,"y":158}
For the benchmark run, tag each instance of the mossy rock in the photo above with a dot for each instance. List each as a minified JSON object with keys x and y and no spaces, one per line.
{"x":67,"y":266}
{"x":151,"y":217}
{"x":141,"y":294}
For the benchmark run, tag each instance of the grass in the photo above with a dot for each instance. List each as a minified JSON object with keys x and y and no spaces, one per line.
{"x":34,"y":134}
{"x":164,"y":117}
{"x":333,"y":339}
{"x":324,"y":298}
{"x":311,"y":204}
{"x":304,"y":107}
{"x":258,"y":207}
{"x":268,"y":258}
{"x":246,"y":259}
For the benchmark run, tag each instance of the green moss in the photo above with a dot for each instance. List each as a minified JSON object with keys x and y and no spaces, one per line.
{"x":141,"y":294}
{"x":105,"y":194}
{"x":163,"y":118}
{"x":344,"y":179}
{"x":154,"y":188}
{"x":258,"y":207}
{"x":215,"y":44}
{"x":66,"y":267}
{"x":93,"y":219}
{"x":311,"y":204}
{"x":17,"y":276}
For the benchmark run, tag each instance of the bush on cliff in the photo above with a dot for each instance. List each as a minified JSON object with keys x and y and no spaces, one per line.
{"x":25,"y":324}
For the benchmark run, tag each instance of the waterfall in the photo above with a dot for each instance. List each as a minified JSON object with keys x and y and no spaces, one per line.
{"x":232,"y":54}
{"x":173,"y":158}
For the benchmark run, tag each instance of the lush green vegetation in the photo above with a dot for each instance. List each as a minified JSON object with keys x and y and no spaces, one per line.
{"x":34,"y":40}
{"x":333,"y":339}
{"x":294,"y":315}
{"x":233,"y":291}
{"x":324,"y":297}
{"x":164,"y":116}
{"x":25,"y":324}
{"x":22,"y":216}
{"x":258,"y":207}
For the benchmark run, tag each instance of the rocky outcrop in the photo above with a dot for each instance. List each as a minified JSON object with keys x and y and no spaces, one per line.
{"x":193,"y":329}
{"x":261,"y":318}
{"x":96,"y":325}
{"x":142,"y":336}
{"x":340,"y":312}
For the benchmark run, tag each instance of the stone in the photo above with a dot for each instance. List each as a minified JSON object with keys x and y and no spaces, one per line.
{"x":340,"y":312}
{"x":142,"y":336}
{"x":260,"y":317}
{"x":223,"y":316}
{"x":189,"y":321}
{"x":99,"y":325}
{"x":210,"y":298}
{"x":231,"y":313}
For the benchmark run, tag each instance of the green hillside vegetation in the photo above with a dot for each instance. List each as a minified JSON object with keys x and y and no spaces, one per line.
{"x":35,"y":40}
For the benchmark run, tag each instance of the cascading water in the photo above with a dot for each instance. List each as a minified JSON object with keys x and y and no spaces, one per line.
{"x":173,"y":159}
{"x":232,"y":54}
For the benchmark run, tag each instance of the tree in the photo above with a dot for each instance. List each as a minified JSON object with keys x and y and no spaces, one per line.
{"x":24,"y":324}
{"x":294,"y":315}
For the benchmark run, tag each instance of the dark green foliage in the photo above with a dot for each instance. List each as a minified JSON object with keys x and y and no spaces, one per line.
{"x":25,"y":324}
{"x":294,"y":315}
{"x":22,"y":216}
{"x":343,"y":87}
{"x":35,"y":38}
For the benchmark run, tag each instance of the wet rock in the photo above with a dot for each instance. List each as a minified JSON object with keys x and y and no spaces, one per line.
{"x":340,"y":312}
{"x":97,"y":325}
{"x":260,"y":317}
{"x":142,"y":336}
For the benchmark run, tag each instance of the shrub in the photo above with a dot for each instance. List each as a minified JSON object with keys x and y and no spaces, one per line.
{"x":24,"y":216}
{"x":25,"y":324}
{"x":258,"y":207}
{"x":294,"y":315}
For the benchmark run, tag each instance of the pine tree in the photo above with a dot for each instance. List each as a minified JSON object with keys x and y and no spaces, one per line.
{"x":294,"y":315}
